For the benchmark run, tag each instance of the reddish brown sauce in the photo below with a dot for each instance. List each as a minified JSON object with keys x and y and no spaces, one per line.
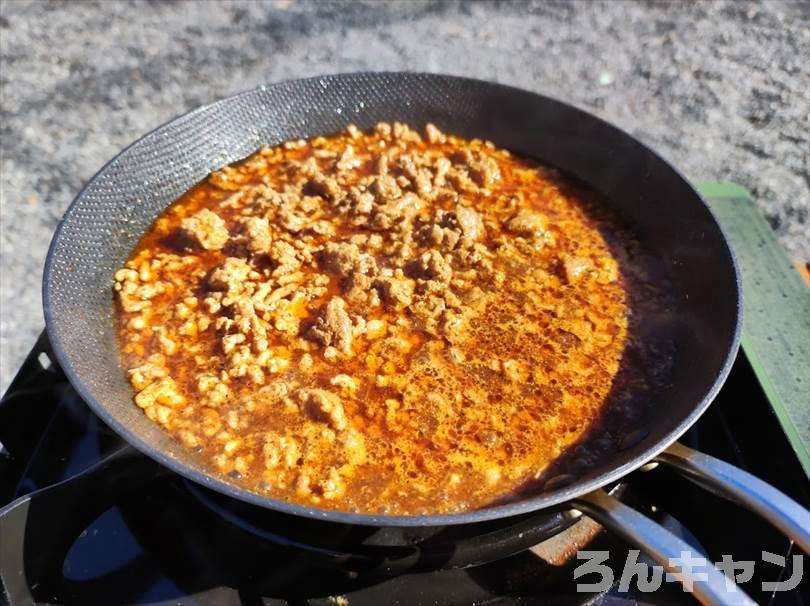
{"x":388,"y":322}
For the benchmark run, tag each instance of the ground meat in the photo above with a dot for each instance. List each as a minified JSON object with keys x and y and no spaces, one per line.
{"x":293,"y":222}
{"x":344,"y":259}
{"x":385,"y":188}
{"x":162,"y":391}
{"x":357,"y":289}
{"x":575,"y":268}
{"x":441,"y":167}
{"x":323,"y":405}
{"x":391,"y":213}
{"x":527,"y":223}
{"x":347,"y":161}
{"x":206,"y":230}
{"x":134,"y":293}
{"x":256,"y":231}
{"x":396,"y":293}
{"x":378,"y":322}
{"x":354,"y":447}
{"x":484,"y":170}
{"x":431,"y":265}
{"x":472,"y":226}
{"x":321,"y":185}
{"x":280,"y":450}
{"x":213,"y":390}
{"x":402,"y":132}
{"x":443,"y":238}
{"x":419,"y":176}
{"x":428,"y":310}
{"x":333,"y":486}
{"x":443,"y":233}
{"x":285,"y":256}
{"x":434,"y":135}
{"x":146,"y":374}
{"x":345,"y":384}
{"x":334,"y":327}
{"x":230,"y":276}
{"x":361,"y":202}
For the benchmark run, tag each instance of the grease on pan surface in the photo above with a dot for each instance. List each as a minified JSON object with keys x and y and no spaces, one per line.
{"x":393,"y":322}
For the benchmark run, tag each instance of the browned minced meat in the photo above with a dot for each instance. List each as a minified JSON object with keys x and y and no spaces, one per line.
{"x":391,"y":322}
{"x":334,"y":327}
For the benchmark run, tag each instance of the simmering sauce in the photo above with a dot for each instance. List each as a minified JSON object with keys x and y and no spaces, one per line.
{"x":393,"y":322}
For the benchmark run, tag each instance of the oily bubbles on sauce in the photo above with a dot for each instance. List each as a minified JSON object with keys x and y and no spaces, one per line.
{"x":393,"y":322}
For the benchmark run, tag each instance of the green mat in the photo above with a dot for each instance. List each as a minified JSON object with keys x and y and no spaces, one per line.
{"x":776,"y":315}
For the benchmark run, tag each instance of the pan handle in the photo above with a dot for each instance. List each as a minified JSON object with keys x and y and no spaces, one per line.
{"x":738,"y":486}
{"x":708,"y":584}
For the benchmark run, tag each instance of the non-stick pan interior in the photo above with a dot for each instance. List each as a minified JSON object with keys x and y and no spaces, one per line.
{"x":108,"y":216}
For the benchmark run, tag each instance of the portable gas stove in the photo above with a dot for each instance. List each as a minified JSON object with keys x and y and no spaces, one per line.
{"x":103,"y":524}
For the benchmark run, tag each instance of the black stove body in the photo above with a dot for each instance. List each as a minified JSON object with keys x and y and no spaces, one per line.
{"x":103,"y":524}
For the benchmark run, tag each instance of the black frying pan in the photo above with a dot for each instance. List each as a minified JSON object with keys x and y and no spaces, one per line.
{"x":109,"y":215}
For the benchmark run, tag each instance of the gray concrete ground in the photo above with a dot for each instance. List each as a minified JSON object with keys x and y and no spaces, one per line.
{"x":720,"y":88}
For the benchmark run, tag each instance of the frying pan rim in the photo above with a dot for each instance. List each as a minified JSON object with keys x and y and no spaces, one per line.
{"x":542,"y":501}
